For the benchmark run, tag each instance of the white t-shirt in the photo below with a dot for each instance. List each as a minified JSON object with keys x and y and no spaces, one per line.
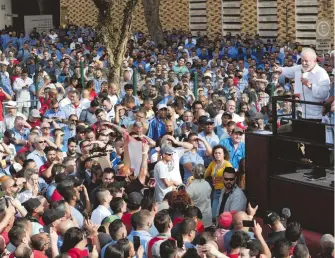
{"x":99,"y":214}
{"x":161,"y":171}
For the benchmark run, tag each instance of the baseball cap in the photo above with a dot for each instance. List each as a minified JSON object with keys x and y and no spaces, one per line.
{"x":160,"y":106}
{"x":166,"y":149}
{"x":35,"y":113}
{"x":209,"y":121}
{"x":202,"y":120}
{"x":135,"y":198}
{"x":31,"y":204}
{"x":271,"y":217}
{"x":11,"y":104}
{"x":152,"y":70}
{"x":50,"y":216}
{"x":237,"y":130}
{"x":10,"y":134}
{"x":109,"y":219}
{"x":225,"y":219}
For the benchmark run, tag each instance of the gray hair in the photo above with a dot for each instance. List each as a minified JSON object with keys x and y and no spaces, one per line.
{"x":309,"y":52}
{"x":199,"y":171}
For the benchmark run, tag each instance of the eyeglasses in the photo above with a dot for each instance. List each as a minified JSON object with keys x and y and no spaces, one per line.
{"x":229,"y":179}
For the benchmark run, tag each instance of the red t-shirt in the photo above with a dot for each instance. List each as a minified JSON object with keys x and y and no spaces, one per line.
{"x":126,"y":220}
{"x":45,"y":105}
{"x":2,"y":98}
{"x":93,"y":95}
{"x":43,"y":168}
{"x":56,"y":196}
{"x":34,"y":124}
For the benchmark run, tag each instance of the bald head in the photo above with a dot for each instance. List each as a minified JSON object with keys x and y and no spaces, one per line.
{"x":85,"y":94}
{"x":7,"y":183}
{"x":230,"y":106}
{"x":238,"y":219}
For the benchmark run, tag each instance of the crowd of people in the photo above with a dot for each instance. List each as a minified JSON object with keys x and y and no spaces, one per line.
{"x":152,"y":166}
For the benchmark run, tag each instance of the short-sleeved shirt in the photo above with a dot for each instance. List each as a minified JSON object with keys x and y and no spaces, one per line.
{"x":162,"y":171}
{"x":190,"y":157}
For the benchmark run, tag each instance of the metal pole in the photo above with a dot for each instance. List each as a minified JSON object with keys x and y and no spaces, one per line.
{"x":195,"y":86}
{"x":36,"y":79}
{"x":135,"y":81}
{"x":82,"y":74}
{"x":274,"y":115}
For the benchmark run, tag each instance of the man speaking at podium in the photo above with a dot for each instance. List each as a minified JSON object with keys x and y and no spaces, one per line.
{"x":311,"y":83}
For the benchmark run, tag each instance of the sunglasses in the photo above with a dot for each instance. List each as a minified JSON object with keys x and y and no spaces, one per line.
{"x":42,"y":142}
{"x":228,"y":179}
{"x":169,"y":154}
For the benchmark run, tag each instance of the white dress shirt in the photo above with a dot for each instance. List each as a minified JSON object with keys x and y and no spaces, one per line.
{"x":318,"y":93}
{"x":23,"y":94}
{"x":70,"y":109}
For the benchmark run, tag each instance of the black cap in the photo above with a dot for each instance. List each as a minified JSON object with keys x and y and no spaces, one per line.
{"x":51,"y":216}
{"x":202,"y":120}
{"x":10,"y":134}
{"x":31,"y":204}
{"x":135,"y":198}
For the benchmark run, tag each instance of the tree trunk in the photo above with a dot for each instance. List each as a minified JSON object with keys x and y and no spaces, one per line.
{"x":151,"y":14}
{"x":114,"y":34}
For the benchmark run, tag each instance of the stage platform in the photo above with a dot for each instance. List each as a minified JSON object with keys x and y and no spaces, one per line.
{"x":299,"y":177}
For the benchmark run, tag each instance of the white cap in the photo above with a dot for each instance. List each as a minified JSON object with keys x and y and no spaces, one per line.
{"x":160,"y":106}
{"x":11,"y":104}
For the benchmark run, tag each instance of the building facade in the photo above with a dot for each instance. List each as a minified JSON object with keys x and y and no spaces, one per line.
{"x":269,"y":18}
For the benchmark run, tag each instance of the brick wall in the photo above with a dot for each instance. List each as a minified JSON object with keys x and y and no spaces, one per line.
{"x":281,"y":9}
{"x":249,"y":16}
{"x":214,"y":17}
{"x":84,"y":12}
{"x":175,"y":14}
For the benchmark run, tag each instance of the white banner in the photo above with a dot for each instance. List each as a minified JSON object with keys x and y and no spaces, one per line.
{"x":40,"y":22}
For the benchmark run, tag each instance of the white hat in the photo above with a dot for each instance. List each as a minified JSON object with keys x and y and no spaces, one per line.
{"x":11,"y":104}
{"x":160,"y":106}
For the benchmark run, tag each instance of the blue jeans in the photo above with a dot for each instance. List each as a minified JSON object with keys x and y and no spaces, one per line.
{"x":215,"y":204}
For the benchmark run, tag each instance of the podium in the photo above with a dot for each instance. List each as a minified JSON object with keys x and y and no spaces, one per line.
{"x":274,"y":175}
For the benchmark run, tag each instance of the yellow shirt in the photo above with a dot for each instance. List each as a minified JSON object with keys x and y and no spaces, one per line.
{"x":218,"y":178}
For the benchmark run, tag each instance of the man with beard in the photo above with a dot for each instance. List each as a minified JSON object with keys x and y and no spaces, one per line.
{"x":45,"y":170}
{"x":232,"y":197}
{"x":153,"y":94}
{"x":71,"y":148}
{"x":35,"y":211}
